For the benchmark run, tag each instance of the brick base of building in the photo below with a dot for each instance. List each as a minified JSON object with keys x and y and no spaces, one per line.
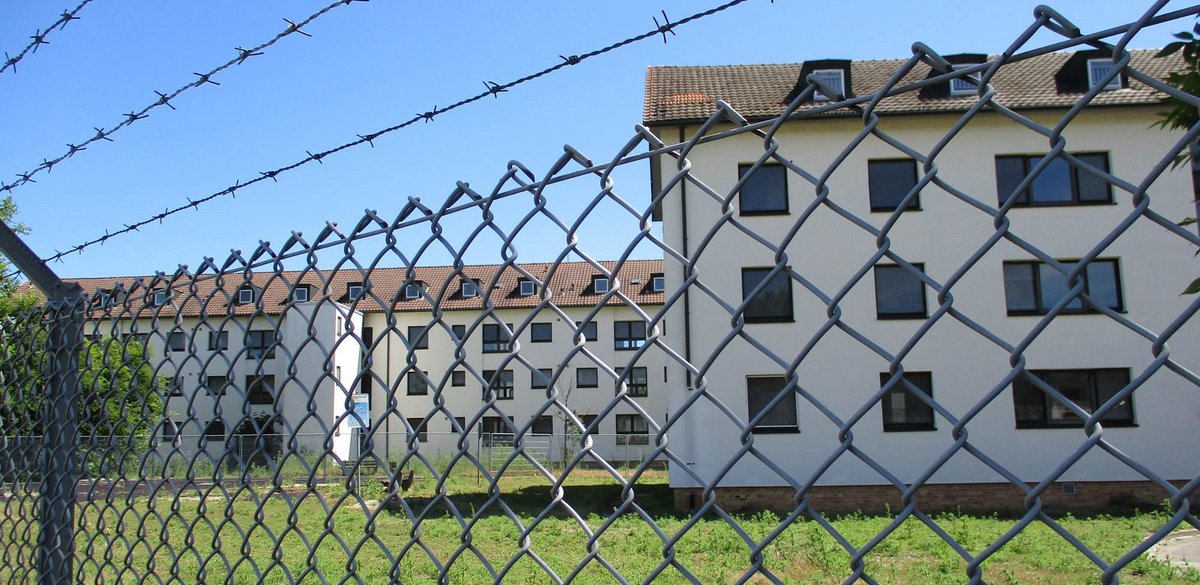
{"x":1080,"y":496}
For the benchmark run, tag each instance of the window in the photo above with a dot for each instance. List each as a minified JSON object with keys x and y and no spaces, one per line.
{"x":501,"y":383}
{"x":1088,"y":389}
{"x":158,"y":298}
{"x":541,"y":333}
{"x":632,"y":429}
{"x":177,"y":341}
{"x":417,"y":383}
{"x":1097,"y":69}
{"x":599,"y":284}
{"x":629,"y":334}
{"x":496,"y":338}
{"x":216,"y":385}
{"x":658,"y":283}
{"x":260,"y":389}
{"x":261,"y":344}
{"x":526,"y":288}
{"x":412,"y":291}
{"x":902,"y":409}
{"x":418,"y":337}
{"x":218,"y":340}
{"x":495,"y":429}
{"x":1033,"y":288}
{"x":215,"y":430}
{"x":587,"y":420}
{"x":541,"y":378}
{"x":760,"y":391}
{"x":354,"y":290}
{"x":459,"y":331}
{"x":419,"y":427}
{"x":899,"y":294}
{"x":542,"y":425}
{"x":833,"y":79}
{"x":960,"y":85}
{"x":638,"y":381}
{"x":470,"y":289}
{"x":764,"y":192}
{"x":587,"y":378}
{"x":771,"y":304}
{"x":170,"y":430}
{"x":1058,"y":184}
{"x":889,"y":182}
{"x":245,"y":296}
{"x":300,"y":294}
{"x":589,"y":330}
{"x":176,"y":387}
{"x":458,"y":378}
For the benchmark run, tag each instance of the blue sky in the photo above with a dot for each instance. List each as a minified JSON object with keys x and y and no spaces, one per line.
{"x":370,"y":65}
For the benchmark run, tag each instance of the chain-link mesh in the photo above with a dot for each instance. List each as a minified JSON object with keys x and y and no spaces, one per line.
{"x":368,"y":406}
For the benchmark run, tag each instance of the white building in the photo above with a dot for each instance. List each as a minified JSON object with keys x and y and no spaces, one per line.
{"x":443,"y":354}
{"x":842,"y":316}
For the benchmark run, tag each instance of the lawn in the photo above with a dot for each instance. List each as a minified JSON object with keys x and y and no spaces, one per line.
{"x":318,"y":535}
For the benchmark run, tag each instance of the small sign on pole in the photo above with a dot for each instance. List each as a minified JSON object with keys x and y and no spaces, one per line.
{"x":362,"y":412}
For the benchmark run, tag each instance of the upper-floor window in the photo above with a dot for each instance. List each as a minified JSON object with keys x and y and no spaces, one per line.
{"x":177,"y":341}
{"x":590,"y":331}
{"x":763,"y":192}
{"x":599,"y":284}
{"x":158,"y":297}
{"x":458,"y":378}
{"x":418,"y":337}
{"x":459,"y":331}
{"x":903,"y":408}
{"x":1033,"y":288}
{"x":215,"y":385}
{"x":638,"y":381}
{"x":261,"y":344}
{"x":500,"y":382}
{"x":780,"y":417}
{"x":658,"y":283}
{"x":417,"y":383}
{"x":354,"y":290}
{"x":469,"y":289}
{"x":218,"y":340}
{"x":1059,"y":183}
{"x":496,"y":338}
{"x":540,"y":378}
{"x":260,"y":389}
{"x":899,"y":293}
{"x":526,"y":287}
{"x":1087,"y":389}
{"x":587,"y":377}
{"x":629,"y":334}
{"x":541,"y":333}
{"x":773,"y":303}
{"x":889,"y":181}
{"x":834,"y":79}
{"x":300,"y":293}
{"x":412,"y":291}
{"x":1097,"y":69}
{"x":632,"y":429}
{"x":962,"y":85}
{"x":245,"y":296}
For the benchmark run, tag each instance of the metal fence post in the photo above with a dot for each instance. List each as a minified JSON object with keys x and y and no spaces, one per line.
{"x":60,"y":424}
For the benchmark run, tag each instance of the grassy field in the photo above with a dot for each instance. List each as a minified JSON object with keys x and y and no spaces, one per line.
{"x":207,"y":537}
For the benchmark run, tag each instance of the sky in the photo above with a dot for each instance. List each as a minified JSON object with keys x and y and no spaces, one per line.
{"x":370,"y":65}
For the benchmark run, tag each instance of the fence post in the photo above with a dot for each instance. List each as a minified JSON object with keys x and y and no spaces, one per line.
{"x":60,"y":424}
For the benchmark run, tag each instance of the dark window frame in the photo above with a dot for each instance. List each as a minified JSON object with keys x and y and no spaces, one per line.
{"x":416,"y":383}
{"x":258,"y":346}
{"x":258,"y":386}
{"x":760,"y":428}
{"x":418,"y":337}
{"x":177,"y":341}
{"x":546,"y":373}
{"x":921,"y":380}
{"x":773,"y":317}
{"x":595,"y":372}
{"x":638,"y":381}
{"x":215,"y":385}
{"x":1031,"y":160}
{"x":774,"y":206}
{"x":876,"y":163}
{"x":889,"y":316}
{"x":625,"y":338}
{"x":496,"y":381}
{"x":589,"y":327}
{"x":1021,"y":386}
{"x":458,"y":378}
{"x":420,"y":427}
{"x":632,"y":429}
{"x":541,"y":333}
{"x":1041,"y":309}
{"x":218,"y":340}
{"x":497,"y":339}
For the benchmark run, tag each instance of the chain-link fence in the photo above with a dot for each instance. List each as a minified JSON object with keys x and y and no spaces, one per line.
{"x":838,"y":308}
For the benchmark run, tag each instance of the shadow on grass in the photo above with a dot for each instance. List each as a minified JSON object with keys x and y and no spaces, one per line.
{"x":655,"y":499}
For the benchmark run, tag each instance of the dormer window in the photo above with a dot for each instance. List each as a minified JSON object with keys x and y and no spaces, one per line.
{"x":102,"y":298}
{"x":470,"y":289}
{"x":158,"y":298}
{"x":412,"y":291}
{"x":599,"y":284}
{"x":833,"y":79}
{"x":245,"y":296}
{"x":658,"y":283}
{"x":526,"y":288}
{"x":300,"y":294}
{"x":961,"y":85}
{"x":354,"y":290}
{"x":1098,"y":69}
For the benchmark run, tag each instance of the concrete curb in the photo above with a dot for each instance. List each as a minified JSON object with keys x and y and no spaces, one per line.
{"x":1180,"y":549}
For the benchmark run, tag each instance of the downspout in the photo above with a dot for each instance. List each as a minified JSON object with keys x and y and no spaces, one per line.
{"x":687,"y":299}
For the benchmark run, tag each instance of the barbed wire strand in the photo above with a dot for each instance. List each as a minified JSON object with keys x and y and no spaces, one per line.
{"x":164,"y":99}
{"x":493,"y":89}
{"x":39,"y":37}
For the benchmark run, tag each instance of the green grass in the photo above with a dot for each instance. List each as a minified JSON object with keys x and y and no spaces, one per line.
{"x":206,"y":537}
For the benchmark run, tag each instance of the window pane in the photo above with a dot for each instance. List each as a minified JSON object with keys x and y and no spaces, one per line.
{"x":458,"y":378}
{"x":765,"y":191}
{"x":417,"y":337}
{"x":1102,"y":283}
{"x":902,"y":409}
{"x":1075,"y":387}
{"x":540,"y":332}
{"x":1020,"y":293}
{"x":587,"y":377}
{"x":1010,"y":170}
{"x":760,"y":391}
{"x":1108,"y":383}
{"x":544,"y":425}
{"x":889,"y":181}
{"x":1091,"y":187}
{"x":1053,"y":184}
{"x":773,"y":302}
{"x":1029,"y":403}
{"x":1054,"y":286}
{"x":541,"y":378}
{"x":898,"y":292}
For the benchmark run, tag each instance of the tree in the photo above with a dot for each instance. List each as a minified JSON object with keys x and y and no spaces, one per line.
{"x":1183,"y":115}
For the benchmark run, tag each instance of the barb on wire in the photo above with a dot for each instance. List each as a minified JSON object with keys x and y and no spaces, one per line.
{"x":164,"y":99}
{"x":493,"y":89}
{"x":39,"y":37}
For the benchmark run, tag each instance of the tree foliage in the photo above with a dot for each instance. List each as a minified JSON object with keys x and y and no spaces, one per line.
{"x":1183,"y":115}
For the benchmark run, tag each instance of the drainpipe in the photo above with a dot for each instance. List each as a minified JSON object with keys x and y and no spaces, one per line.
{"x":687,"y":300}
